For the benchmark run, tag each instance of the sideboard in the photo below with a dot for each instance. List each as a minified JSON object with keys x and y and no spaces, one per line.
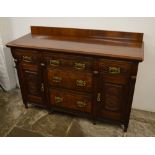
{"x":84,"y":72}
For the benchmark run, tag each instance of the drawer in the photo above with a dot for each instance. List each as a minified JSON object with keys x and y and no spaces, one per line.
{"x":75,"y":80}
{"x":115,"y":67}
{"x":27,"y":56}
{"x":70,"y":100}
{"x":71,"y":61}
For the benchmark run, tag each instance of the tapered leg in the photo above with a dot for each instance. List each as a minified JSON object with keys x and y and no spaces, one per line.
{"x":94,"y":121}
{"x":125,"y":127}
{"x":26,"y":105}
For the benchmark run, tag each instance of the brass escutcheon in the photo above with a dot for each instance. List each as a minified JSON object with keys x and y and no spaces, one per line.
{"x":98,"y":97}
{"x":42,"y":87}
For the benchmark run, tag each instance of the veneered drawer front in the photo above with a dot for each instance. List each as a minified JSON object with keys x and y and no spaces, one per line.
{"x":70,"y":100}
{"x":75,"y":80}
{"x":115,"y":67}
{"x":71,"y":61}
{"x":27,"y":56}
{"x":115,"y":71}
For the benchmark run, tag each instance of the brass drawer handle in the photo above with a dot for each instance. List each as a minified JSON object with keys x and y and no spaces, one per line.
{"x":54,"y":62}
{"x":114,"y":70}
{"x":81,"y":104}
{"x":81,"y":83}
{"x":27,"y":59}
{"x":30,"y":72}
{"x":58,"y":99}
{"x":79,"y":66}
{"x":56,"y":79}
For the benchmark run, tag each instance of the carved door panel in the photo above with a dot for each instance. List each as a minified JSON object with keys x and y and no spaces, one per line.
{"x":32,"y":81}
{"x":113,"y":97}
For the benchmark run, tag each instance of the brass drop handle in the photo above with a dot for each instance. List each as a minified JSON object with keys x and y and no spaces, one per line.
{"x":54,"y":62}
{"x":114,"y":70}
{"x":79,"y":66}
{"x":98,"y":97}
{"x":80,"y":83}
{"x":56,"y":79}
{"x":81,"y":104}
{"x":42,"y":87}
{"x":58,"y":99}
{"x":27,"y":59}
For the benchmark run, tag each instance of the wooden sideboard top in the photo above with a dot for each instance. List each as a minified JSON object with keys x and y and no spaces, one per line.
{"x":115,"y":44}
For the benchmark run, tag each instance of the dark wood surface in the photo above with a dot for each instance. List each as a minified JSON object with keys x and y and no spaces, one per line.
{"x":90,"y":73}
{"x":71,"y":100}
{"x":88,"y":33}
{"x":113,"y":44}
{"x":71,"y":79}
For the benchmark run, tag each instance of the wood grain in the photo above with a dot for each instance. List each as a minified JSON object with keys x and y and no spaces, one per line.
{"x":85,"y":72}
{"x":113,"y":44}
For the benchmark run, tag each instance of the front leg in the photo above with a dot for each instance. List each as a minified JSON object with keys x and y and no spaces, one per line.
{"x":26,"y":105}
{"x":125,"y":127}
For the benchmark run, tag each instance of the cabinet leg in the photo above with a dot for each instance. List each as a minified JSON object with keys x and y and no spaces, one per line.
{"x":94,"y":122}
{"x":26,"y":105}
{"x":51,"y":112}
{"x":125,"y":127}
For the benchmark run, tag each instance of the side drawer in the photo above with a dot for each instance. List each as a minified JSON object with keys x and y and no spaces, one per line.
{"x":71,"y":100}
{"x":71,"y":61}
{"x":27,"y":56}
{"x":115,"y":71}
{"x":75,"y":80}
{"x":115,"y":67}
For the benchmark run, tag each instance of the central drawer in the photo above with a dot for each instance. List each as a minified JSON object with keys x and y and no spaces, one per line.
{"x":70,"y":79}
{"x":81,"y":63}
{"x":70,"y":100}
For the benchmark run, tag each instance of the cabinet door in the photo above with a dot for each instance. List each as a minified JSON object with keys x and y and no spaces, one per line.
{"x":114,"y":90}
{"x":113,"y":100}
{"x":32,"y":83}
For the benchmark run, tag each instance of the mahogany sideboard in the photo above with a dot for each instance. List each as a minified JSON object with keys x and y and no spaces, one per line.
{"x":86,"y":72}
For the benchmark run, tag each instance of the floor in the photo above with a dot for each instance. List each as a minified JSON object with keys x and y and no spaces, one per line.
{"x":16,"y":121}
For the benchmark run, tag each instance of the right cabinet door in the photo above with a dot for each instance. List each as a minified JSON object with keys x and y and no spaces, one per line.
{"x":113,"y":89}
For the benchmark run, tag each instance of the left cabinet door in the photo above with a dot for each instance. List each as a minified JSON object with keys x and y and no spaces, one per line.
{"x":31,"y":78}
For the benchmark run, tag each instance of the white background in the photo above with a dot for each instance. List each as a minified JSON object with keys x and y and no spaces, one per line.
{"x":91,"y":8}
